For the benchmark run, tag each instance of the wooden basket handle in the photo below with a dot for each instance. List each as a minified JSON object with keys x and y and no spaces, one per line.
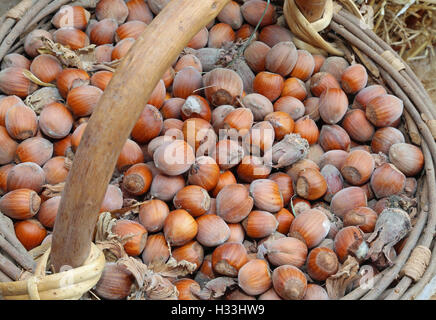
{"x":113,"y":119}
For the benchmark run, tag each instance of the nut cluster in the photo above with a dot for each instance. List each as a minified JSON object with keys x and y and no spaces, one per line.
{"x":274,"y":183}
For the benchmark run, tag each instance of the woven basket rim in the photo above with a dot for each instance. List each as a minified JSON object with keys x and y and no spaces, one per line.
{"x":54,"y":286}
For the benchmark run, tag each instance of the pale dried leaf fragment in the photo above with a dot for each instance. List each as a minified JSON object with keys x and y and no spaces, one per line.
{"x":87,"y":57}
{"x":287,"y":151}
{"x":138,"y":269}
{"x":113,"y":249}
{"x":380,"y":159}
{"x":65,"y":55}
{"x":219,"y":286}
{"x":172,"y":268}
{"x":250,"y":246}
{"x":112,"y":244}
{"x":393,"y":224}
{"x":83,"y":58}
{"x":53,"y":190}
{"x":151,"y":286}
{"x":264,"y":250}
{"x":338,"y":283}
{"x":104,"y":227}
{"x":160,"y":288}
{"x":215,"y":288}
{"x":30,"y":76}
{"x":42,"y":97}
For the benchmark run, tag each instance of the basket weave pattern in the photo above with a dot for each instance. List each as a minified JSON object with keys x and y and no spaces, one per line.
{"x":66,"y":285}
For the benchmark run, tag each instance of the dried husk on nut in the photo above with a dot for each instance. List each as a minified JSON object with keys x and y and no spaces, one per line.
{"x":287,"y":151}
{"x":83,"y":58}
{"x":42,"y":97}
{"x":216,"y":288}
{"x":153,"y":281}
{"x":149,"y":284}
{"x":338,"y":283}
{"x":392,"y":225}
{"x":51,"y":191}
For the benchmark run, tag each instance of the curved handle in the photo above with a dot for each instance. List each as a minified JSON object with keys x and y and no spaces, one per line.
{"x":113,"y":119}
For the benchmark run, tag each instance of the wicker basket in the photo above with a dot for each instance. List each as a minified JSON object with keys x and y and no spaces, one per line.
{"x":416,"y":264}
{"x":67,"y":285}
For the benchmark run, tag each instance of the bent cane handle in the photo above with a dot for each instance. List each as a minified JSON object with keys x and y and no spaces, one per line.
{"x":113,"y":119}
